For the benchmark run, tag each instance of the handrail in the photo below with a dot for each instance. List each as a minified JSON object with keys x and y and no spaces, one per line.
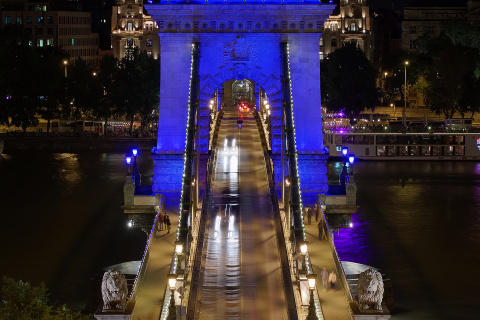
{"x":146,"y":253}
{"x":287,"y":277}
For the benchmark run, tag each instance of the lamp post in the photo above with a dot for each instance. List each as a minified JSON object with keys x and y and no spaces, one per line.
{"x":312,"y":314}
{"x":405,"y":94}
{"x":179,"y":253}
{"x":135,"y":173}
{"x":351,"y":160}
{"x":128,"y":161}
{"x":304,"y":251}
{"x":394,"y":114}
{"x":344,"y":173}
{"x":172,"y":309}
{"x":65,"y":63}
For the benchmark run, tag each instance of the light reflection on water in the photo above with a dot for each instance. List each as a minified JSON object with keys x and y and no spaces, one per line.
{"x":419,"y":223}
{"x":62,"y":220}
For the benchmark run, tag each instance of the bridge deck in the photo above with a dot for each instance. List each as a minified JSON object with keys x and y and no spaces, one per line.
{"x":242,"y":277}
{"x":242,"y":271}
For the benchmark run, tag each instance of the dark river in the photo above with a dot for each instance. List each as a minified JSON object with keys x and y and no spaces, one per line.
{"x":419,"y":222}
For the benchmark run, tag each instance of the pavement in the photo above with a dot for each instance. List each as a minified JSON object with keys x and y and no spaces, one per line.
{"x":149,"y":299}
{"x":335,"y":305}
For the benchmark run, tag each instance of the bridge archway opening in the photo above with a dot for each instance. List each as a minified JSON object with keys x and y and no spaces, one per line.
{"x":247,"y":98}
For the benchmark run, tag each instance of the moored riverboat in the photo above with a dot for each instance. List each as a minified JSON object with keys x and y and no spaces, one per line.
{"x":405,"y":145}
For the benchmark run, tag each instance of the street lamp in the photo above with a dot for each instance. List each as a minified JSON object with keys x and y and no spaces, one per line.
{"x":405,"y":94}
{"x":394,"y":114}
{"x":172,"y":310}
{"x":135,"y":169}
{"x":128,"y":161}
{"x":351,"y":160}
{"x":304,"y":251}
{"x":312,"y":314}
{"x":65,"y":63}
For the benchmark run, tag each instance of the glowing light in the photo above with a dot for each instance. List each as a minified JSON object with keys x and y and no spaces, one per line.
{"x":128,"y":160}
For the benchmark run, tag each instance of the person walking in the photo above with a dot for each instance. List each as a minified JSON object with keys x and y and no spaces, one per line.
{"x":315,"y":210}
{"x":160,"y":221}
{"x":320,"y":230}
{"x":309,"y":215}
{"x":324,"y":275}
{"x":167,"y":221}
{"x":332,"y":278}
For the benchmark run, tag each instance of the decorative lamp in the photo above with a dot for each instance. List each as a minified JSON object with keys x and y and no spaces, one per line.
{"x":179,"y":248}
{"x":172,"y":281}
{"x":311,"y":280}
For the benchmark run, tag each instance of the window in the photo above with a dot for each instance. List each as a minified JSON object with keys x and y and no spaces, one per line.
{"x":412,"y":29}
{"x":40,"y":31}
{"x":39,"y":42}
{"x":30,"y":43}
{"x":412,"y":44}
{"x":353,"y":26}
{"x":428,"y":29}
{"x":50,"y":42}
{"x":129,"y":26}
{"x":19,"y":20}
{"x":334,"y":27}
{"x":50,"y":20}
{"x":73,"y":42}
{"x":334,"y":43}
{"x":50,"y":31}
{"x":321,"y":42}
{"x":8,"y":20}
{"x":149,"y":42}
{"x":321,"y":56}
{"x":39,"y":20}
{"x":29,"y":20}
{"x":28,"y":31}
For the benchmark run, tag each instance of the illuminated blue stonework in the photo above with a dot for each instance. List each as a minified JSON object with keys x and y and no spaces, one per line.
{"x":239,"y":40}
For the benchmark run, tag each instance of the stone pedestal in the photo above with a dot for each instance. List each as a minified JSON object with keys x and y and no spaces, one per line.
{"x":167,"y":176}
{"x":312,"y":169}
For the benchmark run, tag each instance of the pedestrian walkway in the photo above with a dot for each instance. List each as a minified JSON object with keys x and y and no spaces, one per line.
{"x":149,"y":299}
{"x":335,"y":305}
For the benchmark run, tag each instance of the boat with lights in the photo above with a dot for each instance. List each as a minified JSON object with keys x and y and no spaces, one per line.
{"x":403,"y":145}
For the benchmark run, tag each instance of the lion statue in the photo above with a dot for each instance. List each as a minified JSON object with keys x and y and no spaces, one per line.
{"x":370,"y":290}
{"x":114,"y":290}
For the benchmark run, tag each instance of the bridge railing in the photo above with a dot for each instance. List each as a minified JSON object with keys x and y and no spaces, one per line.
{"x":146,"y":253}
{"x":338,"y":265}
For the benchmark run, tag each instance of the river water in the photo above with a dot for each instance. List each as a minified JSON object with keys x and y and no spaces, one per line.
{"x":419,"y":222}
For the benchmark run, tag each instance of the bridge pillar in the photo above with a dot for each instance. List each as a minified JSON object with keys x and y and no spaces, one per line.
{"x":305,"y":76}
{"x":175,"y":52}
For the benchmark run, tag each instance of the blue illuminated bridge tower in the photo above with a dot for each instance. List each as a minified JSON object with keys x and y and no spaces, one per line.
{"x":238,"y":251}
{"x":236,"y":40}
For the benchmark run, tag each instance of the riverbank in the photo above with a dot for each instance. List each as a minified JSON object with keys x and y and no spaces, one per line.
{"x":76,"y":144}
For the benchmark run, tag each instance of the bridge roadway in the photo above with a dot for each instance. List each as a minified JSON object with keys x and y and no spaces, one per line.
{"x":241,"y":276}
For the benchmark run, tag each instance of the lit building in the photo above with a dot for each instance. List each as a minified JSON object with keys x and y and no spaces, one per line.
{"x":418,"y":21}
{"x":133,"y":28}
{"x":352,"y":24}
{"x":48,"y":26}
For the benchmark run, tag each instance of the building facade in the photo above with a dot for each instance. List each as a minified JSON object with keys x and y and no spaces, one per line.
{"x":132,"y":27}
{"x":418,"y":21}
{"x":46,"y":26}
{"x":352,"y":24}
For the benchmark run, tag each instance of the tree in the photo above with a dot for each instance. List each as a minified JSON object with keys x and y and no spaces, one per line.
{"x":18,"y":79}
{"x":22,"y":301}
{"x":449,"y":78}
{"x":106,"y":81}
{"x":349,"y":81}
{"x":52,"y":87}
{"x":137,"y":86}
